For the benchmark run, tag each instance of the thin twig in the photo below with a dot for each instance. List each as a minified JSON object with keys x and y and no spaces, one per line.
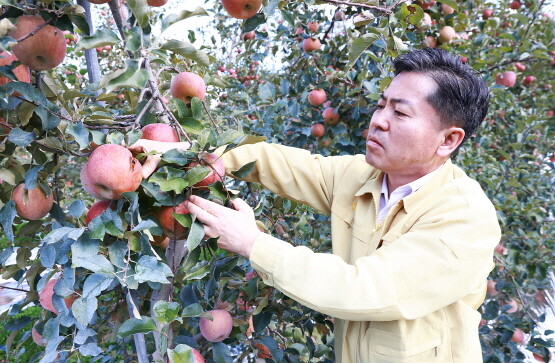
{"x":12,"y":288}
{"x":211,"y":118}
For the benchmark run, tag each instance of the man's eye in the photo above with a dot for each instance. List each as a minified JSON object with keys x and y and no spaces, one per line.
{"x":381,"y":107}
{"x":399,"y":113}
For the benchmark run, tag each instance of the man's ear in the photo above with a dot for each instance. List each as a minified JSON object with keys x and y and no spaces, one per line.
{"x":452,"y":138}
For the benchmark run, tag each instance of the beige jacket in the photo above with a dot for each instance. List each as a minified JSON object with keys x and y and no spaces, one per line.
{"x":405,"y":290}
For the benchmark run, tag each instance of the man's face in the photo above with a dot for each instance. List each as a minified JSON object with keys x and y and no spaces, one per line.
{"x":405,"y":130}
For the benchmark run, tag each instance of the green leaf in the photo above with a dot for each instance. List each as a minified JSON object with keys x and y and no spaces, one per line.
{"x":140,"y":9}
{"x":150,"y":269}
{"x":166,"y":312}
{"x":244,"y":170}
{"x":253,"y":22}
{"x":31,"y":177}
{"x":221,"y":353}
{"x":179,"y":157}
{"x":145,"y":224}
{"x":198,"y":271}
{"x":134,"y":326}
{"x":196,"y":234}
{"x":96,"y":283}
{"x":229,"y":137}
{"x":133,"y":76}
{"x":76,"y":208}
{"x":94,"y":263}
{"x":192,"y":310}
{"x":267,"y":91}
{"x":182,"y":353}
{"x":102,"y":37}
{"x":184,"y":14}
{"x":81,"y":21}
{"x":187,"y":50}
{"x":170,"y":179}
{"x":84,"y":308}
{"x":451,"y":3}
{"x":358,"y":46}
{"x":21,"y":138}
{"x":80,"y":134}
{"x":191,"y":125}
{"x":196,"y":108}
{"x":196,"y":174}
{"x":252,"y":139}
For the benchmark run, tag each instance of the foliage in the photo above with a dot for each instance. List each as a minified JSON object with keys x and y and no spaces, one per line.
{"x":126,"y":288}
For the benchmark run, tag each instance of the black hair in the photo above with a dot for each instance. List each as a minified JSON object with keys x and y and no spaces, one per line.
{"x":461,"y":98}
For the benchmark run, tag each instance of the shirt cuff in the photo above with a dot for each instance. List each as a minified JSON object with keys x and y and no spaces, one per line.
{"x":266,"y":253}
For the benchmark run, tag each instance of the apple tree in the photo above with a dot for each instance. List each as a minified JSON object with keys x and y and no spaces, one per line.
{"x":121,"y":270}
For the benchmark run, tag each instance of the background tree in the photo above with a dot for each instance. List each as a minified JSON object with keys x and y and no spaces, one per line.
{"x":113,"y":287}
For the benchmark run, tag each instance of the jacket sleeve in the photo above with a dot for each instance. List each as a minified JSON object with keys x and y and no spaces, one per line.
{"x":290,"y":172}
{"x":445,"y":256}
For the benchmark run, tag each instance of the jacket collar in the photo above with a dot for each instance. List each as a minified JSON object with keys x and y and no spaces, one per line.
{"x":374,"y":185}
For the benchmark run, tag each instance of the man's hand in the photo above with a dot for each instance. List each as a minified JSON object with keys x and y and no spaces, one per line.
{"x":152,"y":161}
{"x":236,"y":228}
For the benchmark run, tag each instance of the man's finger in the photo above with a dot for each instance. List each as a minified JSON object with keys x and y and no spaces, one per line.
{"x":202,"y":215}
{"x":241,"y":206}
{"x":150,"y":164}
{"x":210,"y":207}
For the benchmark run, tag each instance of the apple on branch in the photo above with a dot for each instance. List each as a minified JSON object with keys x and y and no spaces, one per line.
{"x":217,"y":169}
{"x":21,"y":72}
{"x":159,"y":132}
{"x":40,"y":50}
{"x":110,"y":171}
{"x":316,"y":97}
{"x":32,"y":204}
{"x":186,"y":85}
{"x":218,"y":328}
{"x":45,"y":297}
{"x":242,"y":9}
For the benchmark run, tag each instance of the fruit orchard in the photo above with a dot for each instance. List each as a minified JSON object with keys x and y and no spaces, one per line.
{"x":119,"y":270}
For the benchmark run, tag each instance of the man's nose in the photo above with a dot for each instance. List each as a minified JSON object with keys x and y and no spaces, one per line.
{"x":379,"y":120}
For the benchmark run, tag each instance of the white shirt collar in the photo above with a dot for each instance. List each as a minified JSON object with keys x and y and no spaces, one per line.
{"x":387,"y":201}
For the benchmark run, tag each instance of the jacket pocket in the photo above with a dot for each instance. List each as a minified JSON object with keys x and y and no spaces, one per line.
{"x":390,"y":347}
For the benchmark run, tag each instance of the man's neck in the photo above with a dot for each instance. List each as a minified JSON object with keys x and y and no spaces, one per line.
{"x":395,"y":181}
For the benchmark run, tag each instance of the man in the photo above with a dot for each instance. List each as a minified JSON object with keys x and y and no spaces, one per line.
{"x":412,"y":235}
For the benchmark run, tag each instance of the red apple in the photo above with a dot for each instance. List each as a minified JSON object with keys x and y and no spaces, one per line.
{"x":550,"y":113}
{"x":97,"y":208}
{"x":539,"y":357}
{"x":528,"y":80}
{"x":518,"y":336}
{"x":514,"y":306}
{"x":249,"y":35}
{"x":464,"y":59}
{"x":486,"y":14}
{"x":242,"y":9}
{"x":313,"y":26}
{"x":507,"y":79}
{"x":340,"y":15}
{"x":110,"y":171}
{"x":426,"y":4}
{"x":446,"y":34}
{"x":187,"y":85}
{"x":37,"y":337}
{"x":317,"y":130}
{"x":44,"y":50}
{"x":447,"y":9}
{"x":169,"y":224}
{"x":310,"y":44}
{"x":218,"y":328}
{"x":45,"y":297}
{"x":519,"y":66}
{"x":316,"y":97}
{"x":159,"y":132}
{"x":515,"y":5}
{"x":331,"y":116}
{"x":32,"y":204}
{"x":492,"y":291}
{"x":216,"y":173}
{"x":21,"y":72}
{"x":156,"y":3}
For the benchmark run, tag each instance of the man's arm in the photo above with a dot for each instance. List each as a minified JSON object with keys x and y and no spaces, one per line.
{"x":290,"y":172}
{"x":445,"y":256}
